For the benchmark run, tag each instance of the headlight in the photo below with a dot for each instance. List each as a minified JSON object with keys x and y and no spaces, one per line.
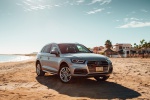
{"x":108,"y":60}
{"x":77,"y":61}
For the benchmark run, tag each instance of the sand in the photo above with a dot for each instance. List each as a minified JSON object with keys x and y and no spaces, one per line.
{"x":130,"y":80}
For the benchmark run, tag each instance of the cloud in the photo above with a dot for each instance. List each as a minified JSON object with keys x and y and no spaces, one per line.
{"x":28,"y":0}
{"x":126,"y":19}
{"x":57,"y":5}
{"x":95,"y":11}
{"x":80,"y":1}
{"x":30,"y":5}
{"x":117,"y":20}
{"x":135,"y":24}
{"x":37,"y":7}
{"x":109,"y":12}
{"x":143,"y":10}
{"x":102,"y":2}
{"x":131,"y":19}
{"x":27,"y":9}
{"x":26,"y":3}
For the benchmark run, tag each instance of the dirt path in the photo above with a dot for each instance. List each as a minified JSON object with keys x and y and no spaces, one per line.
{"x":130,"y":80}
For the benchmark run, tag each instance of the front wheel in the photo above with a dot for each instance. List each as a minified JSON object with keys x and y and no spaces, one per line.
{"x":103,"y":78}
{"x":65,"y":74}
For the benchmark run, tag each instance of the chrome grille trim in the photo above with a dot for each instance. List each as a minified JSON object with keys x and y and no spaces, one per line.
{"x":93,"y":64}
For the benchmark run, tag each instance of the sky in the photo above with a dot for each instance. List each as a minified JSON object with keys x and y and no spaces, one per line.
{"x":27,"y":25}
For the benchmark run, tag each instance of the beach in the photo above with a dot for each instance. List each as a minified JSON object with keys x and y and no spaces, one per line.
{"x":130,"y":80}
{"x":15,"y":57}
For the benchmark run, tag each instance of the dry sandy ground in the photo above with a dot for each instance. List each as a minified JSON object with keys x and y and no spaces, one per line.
{"x":130,"y":80}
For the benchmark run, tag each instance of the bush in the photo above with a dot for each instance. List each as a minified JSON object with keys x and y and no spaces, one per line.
{"x":102,"y":53}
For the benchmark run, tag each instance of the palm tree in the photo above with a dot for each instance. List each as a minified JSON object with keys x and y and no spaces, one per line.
{"x":142,"y":42}
{"x":108,"y":44}
{"x":142,"y":46}
{"x":136,"y":46}
{"x":148,"y":44}
{"x":145,"y":45}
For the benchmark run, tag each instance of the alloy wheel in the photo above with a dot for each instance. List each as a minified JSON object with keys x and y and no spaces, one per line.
{"x":65,"y":74}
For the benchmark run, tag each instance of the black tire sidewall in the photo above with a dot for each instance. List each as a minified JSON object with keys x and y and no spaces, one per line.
{"x":41,"y":72}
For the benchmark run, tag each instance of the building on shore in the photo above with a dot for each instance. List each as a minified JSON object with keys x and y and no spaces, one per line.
{"x":126,"y":50}
{"x":121,"y":50}
{"x":104,"y":51}
{"x":122,"y":46}
{"x":98,"y":49}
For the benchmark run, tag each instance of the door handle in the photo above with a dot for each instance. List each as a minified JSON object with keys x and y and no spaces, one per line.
{"x":48,"y":58}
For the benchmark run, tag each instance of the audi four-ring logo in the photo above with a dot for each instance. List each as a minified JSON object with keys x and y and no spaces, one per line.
{"x":98,"y":63}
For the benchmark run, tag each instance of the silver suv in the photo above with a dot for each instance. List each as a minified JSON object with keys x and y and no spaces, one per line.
{"x":70,"y":60}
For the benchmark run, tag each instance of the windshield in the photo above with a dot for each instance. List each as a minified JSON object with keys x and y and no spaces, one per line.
{"x":73,"y":48}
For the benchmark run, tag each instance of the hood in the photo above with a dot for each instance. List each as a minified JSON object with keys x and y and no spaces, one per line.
{"x":85,"y":56}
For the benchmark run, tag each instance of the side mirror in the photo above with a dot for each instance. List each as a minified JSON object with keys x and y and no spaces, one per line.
{"x":91,"y":51}
{"x":55,"y":51}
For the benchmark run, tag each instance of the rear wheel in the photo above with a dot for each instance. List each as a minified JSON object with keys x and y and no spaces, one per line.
{"x":103,"y":78}
{"x":39,"y":71}
{"x":65,"y":74}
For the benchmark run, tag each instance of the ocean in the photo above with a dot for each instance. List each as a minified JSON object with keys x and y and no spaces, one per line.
{"x":13,"y":58}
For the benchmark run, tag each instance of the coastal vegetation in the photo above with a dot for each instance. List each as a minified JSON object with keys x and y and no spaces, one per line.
{"x":108,"y":44}
{"x":143,"y":45}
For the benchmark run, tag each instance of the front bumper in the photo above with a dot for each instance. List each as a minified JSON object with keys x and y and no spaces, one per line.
{"x":83,"y":70}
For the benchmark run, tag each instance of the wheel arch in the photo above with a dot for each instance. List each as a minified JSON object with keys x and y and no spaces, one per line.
{"x":37,"y":62}
{"x":63,"y":63}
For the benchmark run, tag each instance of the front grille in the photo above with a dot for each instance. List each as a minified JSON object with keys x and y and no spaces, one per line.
{"x":93,"y":64}
{"x":98,"y":63}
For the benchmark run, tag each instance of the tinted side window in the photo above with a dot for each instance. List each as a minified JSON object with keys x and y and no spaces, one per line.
{"x":47,"y":49}
{"x":81,"y":48}
{"x":54,"y":47}
{"x":43,"y":49}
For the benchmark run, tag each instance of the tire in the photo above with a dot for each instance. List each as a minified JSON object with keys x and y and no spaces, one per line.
{"x":103,"y":78}
{"x":65,"y":74}
{"x":39,"y":71}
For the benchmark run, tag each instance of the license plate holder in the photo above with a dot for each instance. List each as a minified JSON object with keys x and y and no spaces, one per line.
{"x":99,"y":69}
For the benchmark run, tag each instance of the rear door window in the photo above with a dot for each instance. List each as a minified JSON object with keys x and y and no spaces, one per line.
{"x":47,"y":49}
